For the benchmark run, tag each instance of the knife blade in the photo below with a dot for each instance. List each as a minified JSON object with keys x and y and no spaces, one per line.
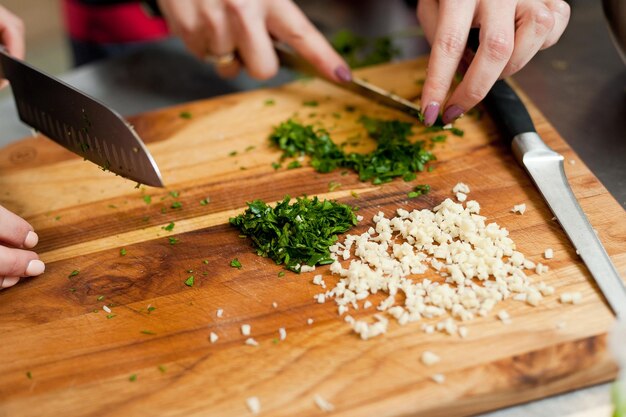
{"x":79,"y":123}
{"x":545,"y":167}
{"x":289,"y":59}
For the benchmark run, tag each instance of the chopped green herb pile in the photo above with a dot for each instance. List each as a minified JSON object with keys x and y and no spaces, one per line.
{"x":235,"y":263}
{"x":395,"y":156}
{"x":361,"y":52}
{"x":419,"y":190}
{"x":295,"y":234}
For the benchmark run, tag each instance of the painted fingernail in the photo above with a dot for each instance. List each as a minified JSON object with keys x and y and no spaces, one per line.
{"x":35,"y":267}
{"x":31,"y":240}
{"x":343,"y":73}
{"x":452,"y":113}
{"x":9,"y":282}
{"x":431,"y":113}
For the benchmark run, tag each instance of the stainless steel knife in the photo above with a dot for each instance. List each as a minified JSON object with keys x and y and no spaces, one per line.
{"x":545,"y":167}
{"x":78,"y":122}
{"x":291,"y":60}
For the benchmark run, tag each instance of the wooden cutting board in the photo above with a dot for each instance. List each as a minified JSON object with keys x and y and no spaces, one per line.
{"x":60,"y":355}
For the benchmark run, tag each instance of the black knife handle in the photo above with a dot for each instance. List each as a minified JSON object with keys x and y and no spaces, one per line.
{"x":502,"y":103}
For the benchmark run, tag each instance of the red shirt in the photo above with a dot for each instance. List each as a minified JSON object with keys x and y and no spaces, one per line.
{"x":114,"y":23}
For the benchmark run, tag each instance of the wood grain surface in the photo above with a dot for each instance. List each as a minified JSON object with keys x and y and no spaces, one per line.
{"x":61,"y":355}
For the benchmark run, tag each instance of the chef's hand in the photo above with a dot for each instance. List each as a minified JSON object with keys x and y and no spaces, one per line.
{"x":11,"y":36}
{"x":218,"y":28}
{"x":16,"y":235}
{"x":511,"y":33}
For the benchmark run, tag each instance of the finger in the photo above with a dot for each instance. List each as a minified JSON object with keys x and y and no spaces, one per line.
{"x":12,"y":33}
{"x":561,"y":12}
{"x":287,"y":23}
{"x":428,"y":14}
{"x":535,"y":23}
{"x":184,"y":20}
{"x":8,"y":282}
{"x":19,"y":263}
{"x":16,"y":231}
{"x":497,"y":24}
{"x":219,"y":37}
{"x":247,"y":20}
{"x":454,"y":22}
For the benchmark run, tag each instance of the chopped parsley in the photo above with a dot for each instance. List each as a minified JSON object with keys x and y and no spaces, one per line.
{"x":110,"y":316}
{"x":132,"y":378}
{"x":232,"y":153}
{"x":73,"y":273}
{"x":172,"y":240}
{"x":72,"y":289}
{"x":151,"y":309}
{"x":362,"y":52}
{"x":185,"y":115}
{"x":100,"y":298}
{"x":176,"y":205}
{"x":169,"y":227}
{"x":295,"y":234}
{"x":29,"y":375}
{"x":162,"y":368}
{"x":281,"y":274}
{"x":147,"y":199}
{"x":395,"y":156}
{"x":249,"y":148}
{"x":269,"y":102}
{"x":354,"y":194}
{"x":148,"y":332}
{"x":189,"y":281}
{"x":235,"y":263}
{"x":438,"y":138}
{"x":205,"y":261}
{"x":310,"y":103}
{"x":419,"y":190}
{"x":332,"y":186}
{"x":276,"y":165}
{"x":294,"y":164}
{"x":123,"y":252}
{"x":174,"y":194}
{"x":204,"y":201}
{"x":112,"y":206}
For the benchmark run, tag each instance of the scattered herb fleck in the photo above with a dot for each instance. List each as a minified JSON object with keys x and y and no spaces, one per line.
{"x":310,"y":103}
{"x":163,"y":210}
{"x":431,"y":168}
{"x":295,"y":234}
{"x":185,"y":115}
{"x":189,"y":281}
{"x":235,"y":263}
{"x":151,"y":309}
{"x":173,"y":240}
{"x":73,"y":273}
{"x":350,"y":108}
{"x":232,"y":153}
{"x":205,"y":261}
{"x":149,"y":332}
{"x":269,"y":102}
{"x":100,"y":298}
{"x":29,"y":375}
{"x":276,"y":165}
{"x":147,"y":199}
{"x":438,"y":138}
{"x":294,"y":164}
{"x":162,"y":368}
{"x":176,"y":205}
{"x":204,"y":201}
{"x":169,"y":227}
{"x":57,"y":218}
{"x":275,"y":341}
{"x":123,"y":252}
{"x":354,"y":194}
{"x":110,"y":316}
{"x":419,"y":190}
{"x":249,"y":148}
{"x":332,"y":186}
{"x":281,"y":274}
{"x":174,"y":194}
{"x":112,"y":206}
{"x":132,"y":378}
{"x":72,"y":289}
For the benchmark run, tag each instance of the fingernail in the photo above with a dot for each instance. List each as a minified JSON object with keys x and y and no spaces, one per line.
{"x":31,"y":240}
{"x":35,"y":267}
{"x":343,"y":73}
{"x":9,"y":282}
{"x":452,"y":113}
{"x":431,"y":113}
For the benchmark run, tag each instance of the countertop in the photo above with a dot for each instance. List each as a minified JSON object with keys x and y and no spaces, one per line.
{"x":579,"y":84}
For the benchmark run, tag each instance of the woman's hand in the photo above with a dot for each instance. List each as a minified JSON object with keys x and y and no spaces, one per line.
{"x":16,"y":235}
{"x":219,"y":28}
{"x":511,"y":33}
{"x":11,"y":36}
